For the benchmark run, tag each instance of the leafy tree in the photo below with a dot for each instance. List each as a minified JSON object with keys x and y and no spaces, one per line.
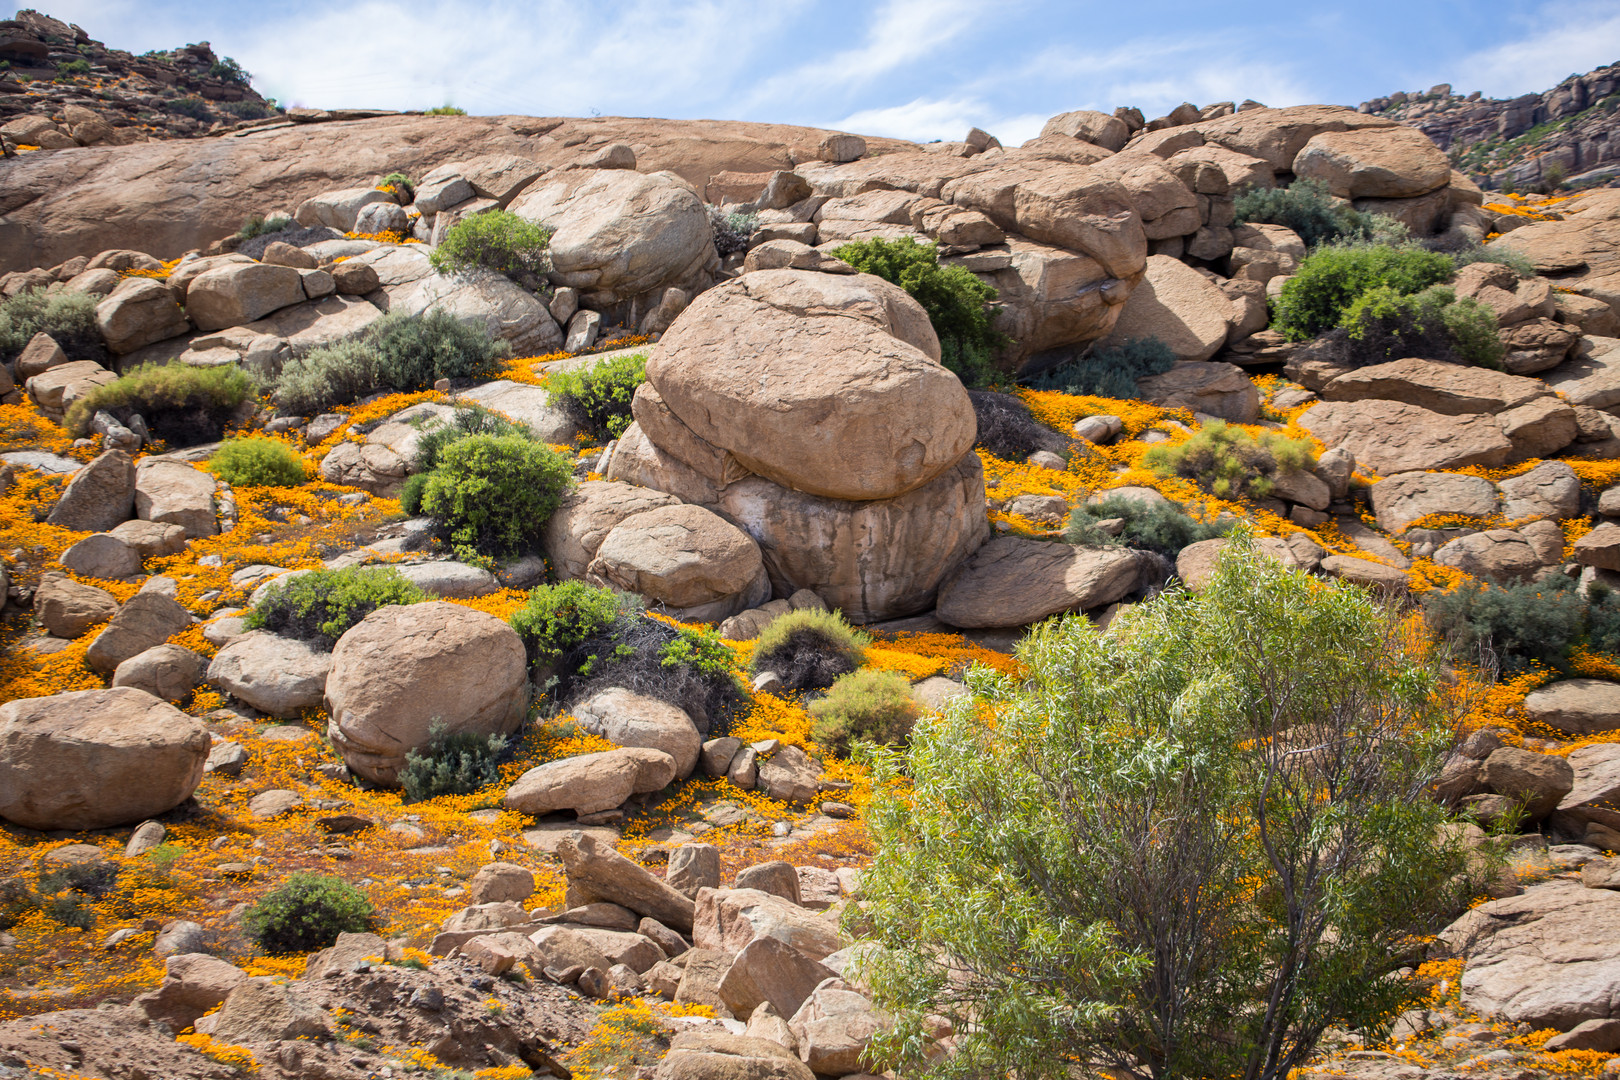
{"x":1183,"y":847}
{"x":257,"y":461}
{"x":958,"y":304}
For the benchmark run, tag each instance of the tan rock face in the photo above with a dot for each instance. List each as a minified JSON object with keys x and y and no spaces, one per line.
{"x":1179,"y":306}
{"x":92,"y":759}
{"x":1216,"y":388}
{"x":239,"y":293}
{"x":816,"y":382}
{"x":590,"y":783}
{"x":684,"y":557}
{"x":273,"y":674}
{"x":874,"y":559}
{"x":625,"y":718}
{"x":1391,"y":436}
{"x":174,"y":493}
{"x":1449,"y":389}
{"x":1088,"y":125}
{"x":1387,"y":163}
{"x":1400,"y":500}
{"x":1014,"y":581}
{"x":138,"y":312}
{"x":401,"y":670}
{"x":620,"y":234}
{"x":67,"y":608}
{"x":586,"y":516}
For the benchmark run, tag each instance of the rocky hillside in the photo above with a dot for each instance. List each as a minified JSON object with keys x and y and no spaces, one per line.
{"x":1566,"y":136}
{"x":97,"y":96}
{"x":436,"y":613}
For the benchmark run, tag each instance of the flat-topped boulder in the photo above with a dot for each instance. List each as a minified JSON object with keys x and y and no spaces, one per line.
{"x":1449,"y":389}
{"x":1392,"y":436}
{"x":1014,"y":581}
{"x":1179,"y":306}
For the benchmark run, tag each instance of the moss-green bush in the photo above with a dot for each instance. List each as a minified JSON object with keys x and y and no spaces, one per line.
{"x":492,"y":494}
{"x":598,"y":397}
{"x":307,"y":912}
{"x":1307,"y":207}
{"x":397,"y":352}
{"x":1165,"y":529}
{"x":259,"y":225}
{"x":1330,"y":280}
{"x":957,"y":303}
{"x":445,"y":110}
{"x":257,"y":461}
{"x":1229,"y":462}
{"x":808,"y":649}
{"x":1435,"y":324}
{"x":864,"y":706}
{"x":731,"y":230}
{"x":1521,"y":627}
{"x":181,"y":404}
{"x":457,"y":763}
{"x":557,"y":618}
{"x":320,"y":606}
{"x":466,"y":421}
{"x":498,"y":240}
{"x":1109,"y":372}
{"x":69,"y":317}
{"x":399,"y":183}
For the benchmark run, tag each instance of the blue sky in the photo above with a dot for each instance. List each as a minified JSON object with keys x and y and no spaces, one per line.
{"x":920,"y":69}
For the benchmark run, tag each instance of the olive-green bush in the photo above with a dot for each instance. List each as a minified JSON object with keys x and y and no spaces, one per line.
{"x":556,"y":618}
{"x":321,"y":605}
{"x":808,"y":649}
{"x":1229,"y":462}
{"x":452,"y":763}
{"x":181,"y":404}
{"x":957,"y":303}
{"x":397,"y":352}
{"x":598,"y":397}
{"x":1382,"y":324}
{"x":1308,"y":208}
{"x":68,"y":317}
{"x":498,"y":240}
{"x":1519,"y":628}
{"x":864,"y":706}
{"x":1165,"y":529}
{"x":492,"y":494}
{"x":257,"y":461}
{"x":308,"y":912}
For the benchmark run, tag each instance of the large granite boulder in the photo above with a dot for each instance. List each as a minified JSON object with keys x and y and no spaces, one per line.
{"x":686,"y":559}
{"x":586,"y":515}
{"x":828,"y":384}
{"x":403,"y":670}
{"x":1014,"y":581}
{"x":93,"y":759}
{"x":1179,"y":306}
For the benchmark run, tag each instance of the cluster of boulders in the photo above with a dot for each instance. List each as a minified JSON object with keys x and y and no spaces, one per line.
{"x":47,"y":103}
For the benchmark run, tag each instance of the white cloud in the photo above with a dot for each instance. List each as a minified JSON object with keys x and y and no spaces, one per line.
{"x":1576,"y":39}
{"x":948,"y":119}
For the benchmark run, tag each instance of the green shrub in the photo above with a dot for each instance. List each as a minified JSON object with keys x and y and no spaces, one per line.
{"x":498,"y":240}
{"x":257,"y":461}
{"x":410,"y":493}
{"x":1521,"y":627}
{"x":400,"y":183}
{"x":70,"y":68}
{"x":957,"y":302}
{"x":1306,"y":207}
{"x":397,"y":352}
{"x":1201,"y":827}
{"x":229,"y":70}
{"x":598,"y":397}
{"x":808,"y":649}
{"x":418,"y":350}
{"x":1383,"y":324}
{"x":466,"y":421}
{"x":492,"y":494}
{"x":181,"y":404}
{"x":557,"y":618}
{"x":1229,"y":462}
{"x":731,"y":230}
{"x":1109,"y":372}
{"x":69,"y":317}
{"x":321,"y":605}
{"x":259,"y":225}
{"x":452,"y":764}
{"x":1330,"y":280}
{"x":1165,"y":529}
{"x":864,"y":706}
{"x":307,"y":912}
{"x":194,"y":107}
{"x":698,"y":649}
{"x":445,"y":110}
{"x":247,"y":110}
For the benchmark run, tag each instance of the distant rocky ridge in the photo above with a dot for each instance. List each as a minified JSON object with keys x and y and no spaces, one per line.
{"x":51,"y":67}
{"x":1569,"y":134}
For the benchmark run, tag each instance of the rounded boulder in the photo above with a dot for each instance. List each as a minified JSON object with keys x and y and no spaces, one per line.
{"x":686,"y":558}
{"x":93,"y":759}
{"x":827,"y":384}
{"x":626,"y":718}
{"x":404,"y":669}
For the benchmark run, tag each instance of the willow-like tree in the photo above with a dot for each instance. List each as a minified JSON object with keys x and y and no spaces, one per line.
{"x":1181,"y":848}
